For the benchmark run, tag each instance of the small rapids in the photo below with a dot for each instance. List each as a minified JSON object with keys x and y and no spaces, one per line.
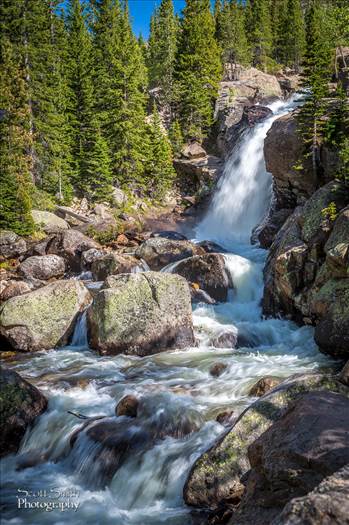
{"x":180,"y":400}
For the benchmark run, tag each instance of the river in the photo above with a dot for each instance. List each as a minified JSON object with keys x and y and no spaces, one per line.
{"x":177,"y":391}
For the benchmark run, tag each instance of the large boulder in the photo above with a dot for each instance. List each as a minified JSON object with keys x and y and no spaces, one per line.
{"x":141,"y":313}
{"x":209,"y":272}
{"x":215,"y":478}
{"x":306,"y":274}
{"x":193,"y":150}
{"x":44,"y":318}
{"x":112,"y":264}
{"x":283,"y":147}
{"x":327,"y":504}
{"x":11,"y":245}
{"x":48,"y":221}
{"x":308,"y":443}
{"x":20,"y":404}
{"x":158,"y":252}
{"x":71,"y":244}
{"x":43,"y":267}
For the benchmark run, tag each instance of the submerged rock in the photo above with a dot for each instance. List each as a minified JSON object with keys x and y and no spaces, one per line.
{"x":209,"y":272}
{"x":44,"y":318}
{"x":215,"y":478}
{"x":217,"y":369}
{"x":20,"y":404}
{"x":141,"y":314}
{"x":308,"y":443}
{"x":263,"y":386}
{"x":158,"y":252}
{"x":127,"y":406}
{"x":43,"y":267}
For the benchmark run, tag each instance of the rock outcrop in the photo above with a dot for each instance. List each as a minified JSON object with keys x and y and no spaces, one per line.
{"x":327,"y":504}
{"x":20,"y":404}
{"x":209,"y":272}
{"x":218,"y":476}
{"x":140,"y":314}
{"x":308,"y":443}
{"x":44,"y":318}
{"x":306,"y":274}
{"x":158,"y":252}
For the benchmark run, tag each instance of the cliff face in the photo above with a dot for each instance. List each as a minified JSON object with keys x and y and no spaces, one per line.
{"x":307,"y":271}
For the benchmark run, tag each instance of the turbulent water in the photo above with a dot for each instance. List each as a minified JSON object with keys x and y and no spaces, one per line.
{"x":178,"y":393}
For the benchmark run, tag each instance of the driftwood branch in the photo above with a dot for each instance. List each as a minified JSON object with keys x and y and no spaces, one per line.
{"x":63,"y":210}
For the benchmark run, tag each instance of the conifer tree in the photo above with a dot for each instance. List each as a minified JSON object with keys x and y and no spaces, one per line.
{"x":259,"y":32}
{"x":176,"y":138}
{"x":160,"y":168}
{"x":15,"y":142}
{"x":231,"y":35}
{"x":93,"y":175}
{"x":162,"y":49}
{"x":198,"y":68}
{"x":121,"y":80}
{"x":291,"y":35}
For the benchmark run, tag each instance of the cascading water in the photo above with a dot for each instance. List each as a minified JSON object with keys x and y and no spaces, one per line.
{"x":179,"y":398}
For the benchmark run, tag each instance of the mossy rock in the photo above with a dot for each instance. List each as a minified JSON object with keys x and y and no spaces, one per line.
{"x":215,"y":477}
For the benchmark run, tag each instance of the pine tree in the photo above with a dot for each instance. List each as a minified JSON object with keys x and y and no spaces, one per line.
{"x":231,"y":33}
{"x":15,"y":142}
{"x":291,"y":35}
{"x":121,"y":81}
{"x":93,"y":175}
{"x":162,"y":49}
{"x":259,"y":32}
{"x":198,"y":68}
{"x":160,"y":168}
{"x":176,"y":138}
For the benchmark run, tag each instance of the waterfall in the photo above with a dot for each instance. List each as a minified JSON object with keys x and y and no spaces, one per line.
{"x":244,"y":191}
{"x":79,"y":338}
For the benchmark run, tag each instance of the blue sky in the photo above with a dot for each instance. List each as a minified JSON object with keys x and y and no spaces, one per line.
{"x":141,"y":11}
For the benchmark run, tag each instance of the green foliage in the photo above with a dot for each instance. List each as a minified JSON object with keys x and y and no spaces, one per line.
{"x":15,"y":142}
{"x":176,"y":138}
{"x":160,"y":168}
{"x":330,"y":212}
{"x":259,"y":31}
{"x":162,"y":50}
{"x":230,"y":32}
{"x":290,"y":34}
{"x":198,"y":69}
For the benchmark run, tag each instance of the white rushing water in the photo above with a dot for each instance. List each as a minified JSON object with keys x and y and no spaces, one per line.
{"x":179,"y":398}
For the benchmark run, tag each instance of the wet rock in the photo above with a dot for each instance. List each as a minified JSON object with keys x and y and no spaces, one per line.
{"x":254,"y":114}
{"x":212,"y":247}
{"x":344,"y":374}
{"x":127,"y":406}
{"x":43,"y":267}
{"x":308,"y":443}
{"x":112,"y":264}
{"x":263,"y":386}
{"x":70,"y":245}
{"x":209,"y":272}
{"x":225,"y":418}
{"x":217,"y":369}
{"x":172,"y":235}
{"x":44,"y":318}
{"x":13,"y":289}
{"x":90,"y":256}
{"x":327,"y":504}
{"x":141,"y":314}
{"x":267,"y":233}
{"x":199,"y":296}
{"x":227,"y":339}
{"x":11,"y":245}
{"x":49,"y":222}
{"x":20,"y":404}
{"x":158,"y":252}
{"x":215,"y":478}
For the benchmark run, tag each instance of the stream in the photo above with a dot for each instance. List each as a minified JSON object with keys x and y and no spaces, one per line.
{"x":176,"y":387}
